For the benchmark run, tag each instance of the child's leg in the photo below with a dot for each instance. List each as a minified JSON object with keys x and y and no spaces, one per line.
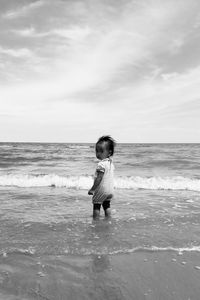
{"x":96,"y":210}
{"x":106,"y":207}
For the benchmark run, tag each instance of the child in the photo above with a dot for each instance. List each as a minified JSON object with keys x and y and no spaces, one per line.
{"x":102,"y":189}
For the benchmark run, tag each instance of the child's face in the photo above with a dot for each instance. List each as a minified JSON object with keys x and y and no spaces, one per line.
{"x":102,"y":151}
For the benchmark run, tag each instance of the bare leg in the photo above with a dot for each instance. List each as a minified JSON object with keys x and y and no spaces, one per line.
{"x":107,"y":212}
{"x":106,"y":207}
{"x":96,"y":213}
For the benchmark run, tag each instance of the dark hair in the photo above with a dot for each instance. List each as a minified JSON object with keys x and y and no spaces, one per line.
{"x":109,"y":140}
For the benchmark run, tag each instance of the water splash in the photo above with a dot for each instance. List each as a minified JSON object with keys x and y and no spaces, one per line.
{"x":85,"y":182}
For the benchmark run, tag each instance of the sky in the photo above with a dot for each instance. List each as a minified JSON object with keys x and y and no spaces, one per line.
{"x":73,"y":70}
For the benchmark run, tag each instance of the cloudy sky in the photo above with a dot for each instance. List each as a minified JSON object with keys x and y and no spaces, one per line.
{"x":72,"y":70}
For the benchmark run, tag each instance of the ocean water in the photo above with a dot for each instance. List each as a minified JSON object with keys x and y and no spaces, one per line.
{"x":45,"y":208}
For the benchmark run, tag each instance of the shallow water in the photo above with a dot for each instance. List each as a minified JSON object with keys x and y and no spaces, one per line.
{"x":51,"y":248}
{"x":45,"y":207}
{"x":51,"y":221}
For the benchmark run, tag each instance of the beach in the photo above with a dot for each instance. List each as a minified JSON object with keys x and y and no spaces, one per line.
{"x":99,"y":150}
{"x":124,"y":276}
{"x":51,"y":248}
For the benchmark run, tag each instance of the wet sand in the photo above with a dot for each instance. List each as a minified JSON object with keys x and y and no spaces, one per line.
{"x":140,"y":275}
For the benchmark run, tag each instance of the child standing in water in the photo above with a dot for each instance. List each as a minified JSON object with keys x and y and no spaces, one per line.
{"x":103,"y":187}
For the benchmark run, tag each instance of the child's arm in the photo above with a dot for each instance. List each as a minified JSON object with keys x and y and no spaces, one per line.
{"x":96,"y":182}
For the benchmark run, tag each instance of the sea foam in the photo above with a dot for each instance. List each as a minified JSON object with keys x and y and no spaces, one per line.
{"x":104,"y":251}
{"x":85,"y":182}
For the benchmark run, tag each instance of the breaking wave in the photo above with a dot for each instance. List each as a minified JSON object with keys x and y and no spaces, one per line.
{"x":85,"y":182}
{"x":104,"y":251}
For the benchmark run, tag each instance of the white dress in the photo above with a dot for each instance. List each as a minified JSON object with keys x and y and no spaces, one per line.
{"x":105,"y":189}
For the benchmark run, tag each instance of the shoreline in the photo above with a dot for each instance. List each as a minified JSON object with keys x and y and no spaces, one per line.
{"x":140,"y":275}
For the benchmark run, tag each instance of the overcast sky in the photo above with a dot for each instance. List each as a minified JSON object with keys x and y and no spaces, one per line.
{"x":71,"y":71}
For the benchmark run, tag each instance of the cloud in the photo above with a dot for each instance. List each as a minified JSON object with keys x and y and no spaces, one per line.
{"x":24,"y":10}
{"x":26,"y":32}
{"x":158,"y":102}
{"x":100,"y":54}
{"x":22,"y":52}
{"x":75,"y":33}
{"x":124,"y":60}
{"x":108,"y":48}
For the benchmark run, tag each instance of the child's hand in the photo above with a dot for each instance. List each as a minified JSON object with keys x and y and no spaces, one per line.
{"x":90,"y":192}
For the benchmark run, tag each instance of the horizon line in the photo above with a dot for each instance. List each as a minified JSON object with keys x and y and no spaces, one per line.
{"x":37,"y":142}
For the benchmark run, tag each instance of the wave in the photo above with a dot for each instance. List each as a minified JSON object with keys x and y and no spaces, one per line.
{"x":150,"y":249}
{"x":161,"y":249}
{"x":105,"y":251}
{"x":85,"y":182}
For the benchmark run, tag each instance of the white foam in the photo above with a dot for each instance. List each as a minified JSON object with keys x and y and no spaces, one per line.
{"x":159,"y":249}
{"x":103,"y":251}
{"x":78,"y":182}
{"x":85,"y":182}
{"x":158,"y":183}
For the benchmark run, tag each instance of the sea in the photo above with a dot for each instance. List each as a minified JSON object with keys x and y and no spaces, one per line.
{"x":52,"y":249}
{"x":45,"y":208}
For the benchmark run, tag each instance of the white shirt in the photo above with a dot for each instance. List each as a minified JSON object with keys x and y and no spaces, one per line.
{"x":105,"y":189}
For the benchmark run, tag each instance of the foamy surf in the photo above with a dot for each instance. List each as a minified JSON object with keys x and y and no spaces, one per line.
{"x":85,"y":182}
{"x":163,"y":249}
{"x":88,"y":251}
{"x":152,"y":249}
